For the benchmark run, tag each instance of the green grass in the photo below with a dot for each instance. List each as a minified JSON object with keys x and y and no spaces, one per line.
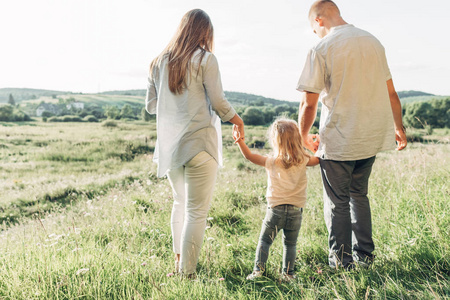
{"x":99,"y":224}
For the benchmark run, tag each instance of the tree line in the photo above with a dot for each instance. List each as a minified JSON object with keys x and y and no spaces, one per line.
{"x":425,"y":114}
{"x":432,"y":114}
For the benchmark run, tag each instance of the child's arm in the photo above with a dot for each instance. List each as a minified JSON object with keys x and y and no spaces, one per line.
{"x":313,"y":161}
{"x":253,"y":157}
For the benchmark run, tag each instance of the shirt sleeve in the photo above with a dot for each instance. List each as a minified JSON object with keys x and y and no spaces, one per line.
{"x":151,"y":97}
{"x":387,"y":72}
{"x":214,"y":90}
{"x":313,"y":75}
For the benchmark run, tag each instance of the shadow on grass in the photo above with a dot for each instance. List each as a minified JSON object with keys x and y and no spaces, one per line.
{"x":11,"y":213}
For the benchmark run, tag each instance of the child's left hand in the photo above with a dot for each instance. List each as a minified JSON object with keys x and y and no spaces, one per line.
{"x":236,"y":134}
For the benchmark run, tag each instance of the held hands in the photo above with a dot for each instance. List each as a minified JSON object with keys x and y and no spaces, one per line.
{"x":312,"y":142}
{"x":238,"y":133}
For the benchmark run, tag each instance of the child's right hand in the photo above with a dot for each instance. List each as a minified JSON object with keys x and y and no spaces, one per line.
{"x":312,"y":142}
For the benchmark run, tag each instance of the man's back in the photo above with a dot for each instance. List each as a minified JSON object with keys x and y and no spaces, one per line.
{"x":348,"y":68}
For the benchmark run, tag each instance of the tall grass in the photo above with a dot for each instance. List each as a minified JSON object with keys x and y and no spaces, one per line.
{"x":113,"y":241}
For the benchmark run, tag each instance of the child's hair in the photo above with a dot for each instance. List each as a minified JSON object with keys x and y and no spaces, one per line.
{"x":286,"y":141}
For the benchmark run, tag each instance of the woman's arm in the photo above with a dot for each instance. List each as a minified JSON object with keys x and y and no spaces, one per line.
{"x":151,"y":98}
{"x":213,"y":87}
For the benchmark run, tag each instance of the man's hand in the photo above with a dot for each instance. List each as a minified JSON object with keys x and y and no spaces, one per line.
{"x":312,"y":142}
{"x":400,"y":137}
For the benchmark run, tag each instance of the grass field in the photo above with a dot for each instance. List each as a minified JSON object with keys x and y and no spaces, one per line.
{"x":84,"y":217}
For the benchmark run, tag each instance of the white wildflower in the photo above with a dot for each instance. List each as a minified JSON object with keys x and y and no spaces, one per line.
{"x":82,"y":271}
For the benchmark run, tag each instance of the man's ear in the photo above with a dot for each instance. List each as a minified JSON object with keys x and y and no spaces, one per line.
{"x":319,"y":21}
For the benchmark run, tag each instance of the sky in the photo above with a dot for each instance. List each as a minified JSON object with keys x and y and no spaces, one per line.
{"x":92,"y":46}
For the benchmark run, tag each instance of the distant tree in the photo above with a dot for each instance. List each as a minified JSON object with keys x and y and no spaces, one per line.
{"x":83,"y":113}
{"x":259,"y":103}
{"x":11,"y":100}
{"x":418,"y":114}
{"x":10,"y":113}
{"x":441,"y":113}
{"x":284,"y":109}
{"x":47,"y":114}
{"x":127,"y":112}
{"x":269,"y":114}
{"x":253,"y":116}
{"x":145,"y":115}
{"x":112,"y":112}
{"x":6,"y":113}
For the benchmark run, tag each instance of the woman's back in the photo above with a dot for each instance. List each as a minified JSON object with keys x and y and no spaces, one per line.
{"x":186,"y":122}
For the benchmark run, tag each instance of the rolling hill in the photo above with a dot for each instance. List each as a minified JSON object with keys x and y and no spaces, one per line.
{"x":135,"y":97}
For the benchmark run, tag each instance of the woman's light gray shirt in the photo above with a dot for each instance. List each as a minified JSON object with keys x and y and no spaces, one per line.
{"x":187,"y":123}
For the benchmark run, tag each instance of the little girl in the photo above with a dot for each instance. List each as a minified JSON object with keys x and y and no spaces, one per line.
{"x":286,"y":192}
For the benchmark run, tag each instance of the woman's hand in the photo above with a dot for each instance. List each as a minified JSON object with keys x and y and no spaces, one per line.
{"x":238,"y":133}
{"x":238,"y":128}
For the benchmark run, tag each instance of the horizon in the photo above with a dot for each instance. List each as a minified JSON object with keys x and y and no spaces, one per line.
{"x":98,"y":46}
{"x":225,"y":91}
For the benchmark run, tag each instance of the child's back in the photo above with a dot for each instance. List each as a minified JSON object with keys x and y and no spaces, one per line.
{"x":286,"y":192}
{"x":286,"y":186}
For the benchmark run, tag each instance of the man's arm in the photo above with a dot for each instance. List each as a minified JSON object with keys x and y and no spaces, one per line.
{"x":307,"y":112}
{"x":396,"y":106}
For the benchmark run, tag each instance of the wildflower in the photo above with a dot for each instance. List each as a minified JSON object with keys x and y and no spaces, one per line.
{"x":221,"y":279}
{"x":144,"y":264}
{"x":319,"y":271}
{"x":82,"y":271}
{"x":229,"y":245}
{"x":169,"y":275}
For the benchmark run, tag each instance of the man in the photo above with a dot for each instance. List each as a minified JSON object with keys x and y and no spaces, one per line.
{"x":361,"y":116}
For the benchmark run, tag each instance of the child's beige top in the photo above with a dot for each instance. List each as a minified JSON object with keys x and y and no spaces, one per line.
{"x":286,"y":186}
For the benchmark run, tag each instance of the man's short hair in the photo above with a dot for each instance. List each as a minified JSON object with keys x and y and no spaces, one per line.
{"x":323,"y":8}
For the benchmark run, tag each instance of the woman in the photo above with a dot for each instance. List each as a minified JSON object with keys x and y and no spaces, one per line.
{"x":185,"y":92}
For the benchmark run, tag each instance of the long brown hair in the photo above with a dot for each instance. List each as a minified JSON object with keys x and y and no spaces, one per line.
{"x":286,"y":141}
{"x":194,"y":32}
